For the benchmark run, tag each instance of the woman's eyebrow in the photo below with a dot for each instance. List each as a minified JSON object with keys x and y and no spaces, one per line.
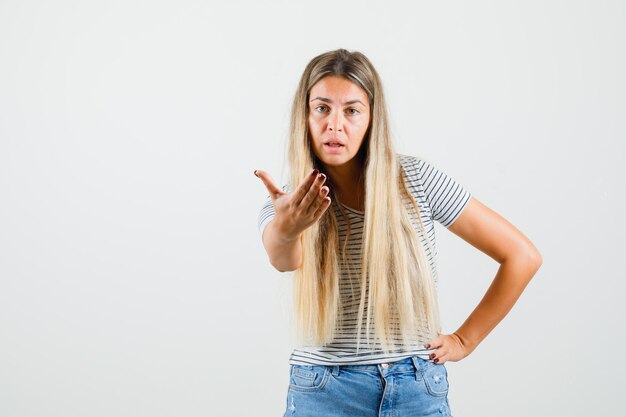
{"x":327,"y":100}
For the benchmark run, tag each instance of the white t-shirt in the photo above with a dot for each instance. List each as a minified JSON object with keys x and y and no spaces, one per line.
{"x":439,"y":198}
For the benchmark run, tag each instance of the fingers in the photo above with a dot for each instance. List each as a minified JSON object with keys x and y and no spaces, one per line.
{"x":269,"y":184}
{"x":447,"y":349}
{"x":436,"y":343}
{"x":439,"y":356}
{"x":304,"y":187}
{"x":321,"y":208}
{"x":315,"y":195}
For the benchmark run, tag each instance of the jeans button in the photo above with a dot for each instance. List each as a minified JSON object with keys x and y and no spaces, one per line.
{"x":385,"y":365}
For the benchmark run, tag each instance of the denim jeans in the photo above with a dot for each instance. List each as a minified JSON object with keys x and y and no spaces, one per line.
{"x":411,"y":387}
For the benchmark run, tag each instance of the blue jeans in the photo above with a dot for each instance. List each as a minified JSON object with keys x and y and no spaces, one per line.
{"x":411,"y":387}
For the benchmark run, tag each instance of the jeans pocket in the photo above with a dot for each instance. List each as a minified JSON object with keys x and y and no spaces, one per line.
{"x":436,"y":380}
{"x":308,"y":377}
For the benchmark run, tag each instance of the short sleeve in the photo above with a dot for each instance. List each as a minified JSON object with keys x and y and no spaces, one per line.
{"x":266,"y":215}
{"x":446,"y":197}
{"x":267,"y":212}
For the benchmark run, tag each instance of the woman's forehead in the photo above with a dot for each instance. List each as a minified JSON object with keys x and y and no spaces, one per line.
{"x":335,"y":89}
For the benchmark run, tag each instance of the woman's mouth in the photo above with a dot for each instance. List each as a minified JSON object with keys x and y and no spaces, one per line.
{"x":333,"y":147}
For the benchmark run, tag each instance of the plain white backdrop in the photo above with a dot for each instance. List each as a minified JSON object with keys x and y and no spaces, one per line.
{"x":133,"y":280}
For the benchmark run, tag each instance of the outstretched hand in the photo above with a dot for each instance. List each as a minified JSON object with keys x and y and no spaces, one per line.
{"x":449,"y":347}
{"x":298,"y":210}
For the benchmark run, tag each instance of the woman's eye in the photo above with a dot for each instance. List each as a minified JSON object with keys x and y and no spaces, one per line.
{"x":355,"y":111}
{"x":319,"y":107}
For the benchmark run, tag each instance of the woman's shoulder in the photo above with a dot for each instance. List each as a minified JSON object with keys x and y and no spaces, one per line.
{"x":411,"y":164}
{"x":409,"y":159}
{"x":416,"y":164}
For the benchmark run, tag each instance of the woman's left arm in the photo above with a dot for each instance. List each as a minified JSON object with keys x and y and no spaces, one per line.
{"x":519,"y":260}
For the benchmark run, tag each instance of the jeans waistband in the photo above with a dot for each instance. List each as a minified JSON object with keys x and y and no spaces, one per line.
{"x":410,"y":364}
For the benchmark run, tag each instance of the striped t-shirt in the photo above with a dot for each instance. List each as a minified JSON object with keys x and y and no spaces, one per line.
{"x":439,"y":197}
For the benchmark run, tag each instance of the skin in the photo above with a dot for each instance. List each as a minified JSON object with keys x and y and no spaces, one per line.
{"x":519,"y":260}
{"x":339,"y":108}
{"x":294,"y":212}
{"x":330,"y":116}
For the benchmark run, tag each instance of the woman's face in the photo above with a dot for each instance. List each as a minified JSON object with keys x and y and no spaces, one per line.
{"x":339,"y":114}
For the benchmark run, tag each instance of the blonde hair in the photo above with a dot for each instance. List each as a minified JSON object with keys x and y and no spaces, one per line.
{"x":402,"y":295}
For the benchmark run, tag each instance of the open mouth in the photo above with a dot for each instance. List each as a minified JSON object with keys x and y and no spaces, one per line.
{"x":333,"y":145}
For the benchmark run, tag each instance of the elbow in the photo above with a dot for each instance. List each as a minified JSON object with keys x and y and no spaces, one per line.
{"x":526,"y":260}
{"x":284,"y":263}
{"x":289,"y":269}
{"x":277,"y":266}
{"x":535,"y":258}
{"x":533,"y":261}
{"x":283,"y":268}
{"x":528,"y":256}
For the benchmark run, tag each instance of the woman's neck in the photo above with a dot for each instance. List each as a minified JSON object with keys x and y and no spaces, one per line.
{"x":349,"y":184}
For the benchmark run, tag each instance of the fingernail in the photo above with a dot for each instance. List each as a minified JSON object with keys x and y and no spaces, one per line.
{"x":322,"y":177}
{"x":436,"y":361}
{"x":315,"y":172}
{"x":255,"y":173}
{"x":427,"y":346}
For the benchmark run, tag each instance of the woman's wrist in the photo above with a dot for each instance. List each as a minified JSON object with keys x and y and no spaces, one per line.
{"x":468,"y":344}
{"x":283,"y":235}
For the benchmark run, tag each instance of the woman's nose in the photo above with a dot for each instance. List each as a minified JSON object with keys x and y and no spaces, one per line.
{"x":335,"y":122}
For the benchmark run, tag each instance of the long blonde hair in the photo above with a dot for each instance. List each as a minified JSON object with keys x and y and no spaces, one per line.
{"x":402,"y":299}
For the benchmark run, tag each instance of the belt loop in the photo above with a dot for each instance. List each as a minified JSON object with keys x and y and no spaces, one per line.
{"x":417,"y":367}
{"x":335,"y":370}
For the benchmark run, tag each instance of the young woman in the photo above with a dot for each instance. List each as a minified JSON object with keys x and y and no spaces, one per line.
{"x":357,"y":229}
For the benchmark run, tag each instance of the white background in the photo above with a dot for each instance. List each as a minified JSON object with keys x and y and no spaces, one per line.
{"x":133,"y":281}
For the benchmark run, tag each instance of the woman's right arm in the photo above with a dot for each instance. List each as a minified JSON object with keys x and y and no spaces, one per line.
{"x":284,"y":251}
{"x":293,"y":213}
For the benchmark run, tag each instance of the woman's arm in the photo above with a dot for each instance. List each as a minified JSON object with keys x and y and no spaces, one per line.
{"x":284,"y":252}
{"x":519,"y":260}
{"x":294,"y":213}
